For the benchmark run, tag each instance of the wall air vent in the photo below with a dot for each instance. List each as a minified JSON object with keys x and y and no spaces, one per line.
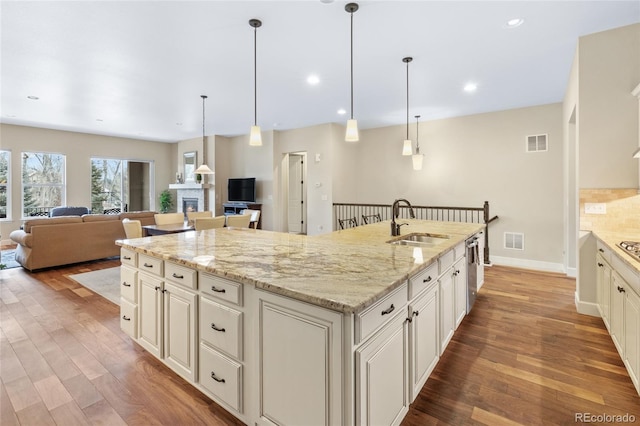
{"x":514,"y":240}
{"x":536,"y":143}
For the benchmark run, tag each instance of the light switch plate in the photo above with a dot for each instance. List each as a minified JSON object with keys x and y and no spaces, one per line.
{"x":595,"y":208}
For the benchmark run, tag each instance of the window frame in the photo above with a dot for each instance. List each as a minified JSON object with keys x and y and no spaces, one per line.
{"x":62,"y":185}
{"x":7,"y":186}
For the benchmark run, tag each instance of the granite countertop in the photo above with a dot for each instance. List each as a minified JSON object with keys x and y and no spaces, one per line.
{"x":345,"y":271}
{"x":612,"y":237}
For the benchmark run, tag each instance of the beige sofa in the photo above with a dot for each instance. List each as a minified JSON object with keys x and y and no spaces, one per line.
{"x":62,"y":240}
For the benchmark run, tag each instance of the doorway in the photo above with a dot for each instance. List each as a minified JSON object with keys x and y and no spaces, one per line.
{"x":296,"y":192}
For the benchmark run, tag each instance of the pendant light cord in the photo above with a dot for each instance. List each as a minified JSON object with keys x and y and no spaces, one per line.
{"x":352,"y":65}
{"x":407,"y":99}
{"x":255,"y":76}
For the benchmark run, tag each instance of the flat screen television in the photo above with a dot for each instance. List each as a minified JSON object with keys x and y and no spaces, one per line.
{"x":242,"y":189}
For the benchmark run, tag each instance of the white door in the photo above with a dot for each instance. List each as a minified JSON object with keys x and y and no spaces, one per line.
{"x":296,"y":194}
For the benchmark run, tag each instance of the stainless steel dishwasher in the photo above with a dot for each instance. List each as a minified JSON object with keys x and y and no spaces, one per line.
{"x":473,"y":262}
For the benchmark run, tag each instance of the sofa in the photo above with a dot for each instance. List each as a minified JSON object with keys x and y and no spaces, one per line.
{"x":55,"y":241}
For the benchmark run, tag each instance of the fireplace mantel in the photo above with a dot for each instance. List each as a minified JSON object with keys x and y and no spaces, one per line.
{"x":191,"y":185}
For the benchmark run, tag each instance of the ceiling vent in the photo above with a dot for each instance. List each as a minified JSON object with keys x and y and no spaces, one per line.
{"x":536,"y":143}
{"x":514,"y":240}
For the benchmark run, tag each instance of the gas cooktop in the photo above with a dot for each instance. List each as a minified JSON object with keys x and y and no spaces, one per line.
{"x":632,"y":248}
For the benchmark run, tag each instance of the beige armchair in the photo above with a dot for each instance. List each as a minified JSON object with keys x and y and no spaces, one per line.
{"x":168,"y":218}
{"x":192,"y":216}
{"x":239,"y":220}
{"x":202,"y":223}
{"x":132,"y":228}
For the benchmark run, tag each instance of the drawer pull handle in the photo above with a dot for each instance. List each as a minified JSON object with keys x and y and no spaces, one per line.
{"x":621,"y":290}
{"x":389,"y":310}
{"x":126,"y":257}
{"x":416,"y":313}
{"x":218,"y":290}
{"x":213,"y":376}
{"x":124,"y":283}
{"x":124,"y":317}
{"x":148,"y":265}
{"x":600,"y":250}
{"x":177,"y":276}
{"x":157,"y":288}
{"x":216,"y":328}
{"x":600,"y":265}
{"x":426,"y":280}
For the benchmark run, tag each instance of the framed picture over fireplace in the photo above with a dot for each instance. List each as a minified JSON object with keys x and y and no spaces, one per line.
{"x":190,"y":159}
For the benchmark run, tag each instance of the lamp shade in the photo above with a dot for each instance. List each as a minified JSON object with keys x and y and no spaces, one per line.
{"x":417,"y":161}
{"x":255,"y":137}
{"x":351,"y":134}
{"x":407,"y":148}
{"x":204,"y":170}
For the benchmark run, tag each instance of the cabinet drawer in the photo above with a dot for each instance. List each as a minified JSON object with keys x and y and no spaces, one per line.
{"x":129,"y":284}
{"x":220,"y":288}
{"x":129,"y":318}
{"x":181,"y":275}
{"x":604,"y":251}
{"x":459,"y":251}
{"x":128,"y":257}
{"x":423,"y":279}
{"x":221,"y":327}
{"x":221,"y":376}
{"x":372,"y":318}
{"x":446,"y":261}
{"x":150,"y":264}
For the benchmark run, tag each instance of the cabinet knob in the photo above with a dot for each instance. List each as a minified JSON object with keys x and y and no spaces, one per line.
{"x":218,"y":290}
{"x":389,"y":310}
{"x":600,"y":250}
{"x":157,"y":288}
{"x":217,"y":329}
{"x":213,"y":376}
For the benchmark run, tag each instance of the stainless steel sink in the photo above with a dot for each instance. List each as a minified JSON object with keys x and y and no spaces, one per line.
{"x":425,"y":239}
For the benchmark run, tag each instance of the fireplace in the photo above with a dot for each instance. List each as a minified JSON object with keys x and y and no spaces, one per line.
{"x":189,"y":205}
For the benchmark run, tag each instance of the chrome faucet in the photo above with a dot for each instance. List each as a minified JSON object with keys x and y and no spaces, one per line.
{"x":395,"y":212}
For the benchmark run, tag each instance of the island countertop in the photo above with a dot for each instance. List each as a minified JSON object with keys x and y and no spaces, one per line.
{"x":345,"y":271}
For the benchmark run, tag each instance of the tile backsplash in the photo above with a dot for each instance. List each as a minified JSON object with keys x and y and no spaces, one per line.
{"x":622,"y":209}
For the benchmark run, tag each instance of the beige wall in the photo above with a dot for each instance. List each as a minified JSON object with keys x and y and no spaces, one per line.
{"x":78,"y":149}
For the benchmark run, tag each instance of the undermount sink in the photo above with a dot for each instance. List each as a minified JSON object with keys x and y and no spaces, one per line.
{"x":420,"y":239}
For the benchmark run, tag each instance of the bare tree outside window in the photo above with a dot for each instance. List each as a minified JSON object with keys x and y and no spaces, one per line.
{"x":43,"y":182}
{"x":107,"y":185}
{"x":5,"y":157}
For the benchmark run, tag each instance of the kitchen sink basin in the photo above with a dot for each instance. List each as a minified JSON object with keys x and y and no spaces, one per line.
{"x":425,"y":239}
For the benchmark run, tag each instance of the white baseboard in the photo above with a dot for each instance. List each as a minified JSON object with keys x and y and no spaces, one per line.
{"x":528,"y":264}
{"x":586,"y":308}
{"x":572,"y":272}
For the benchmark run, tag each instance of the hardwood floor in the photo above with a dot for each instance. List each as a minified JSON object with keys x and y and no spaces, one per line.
{"x":522,"y":356}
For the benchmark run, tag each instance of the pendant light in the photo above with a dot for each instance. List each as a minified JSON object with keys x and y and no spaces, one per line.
{"x":255,"y":137}
{"x":407,"y":147}
{"x":351,"y":134}
{"x":203,"y":169}
{"x":417,"y":157}
{"x":637,"y":153}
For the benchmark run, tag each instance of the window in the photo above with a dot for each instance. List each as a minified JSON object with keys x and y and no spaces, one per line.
{"x":43,"y":183}
{"x":5,"y":195}
{"x":108,"y":178}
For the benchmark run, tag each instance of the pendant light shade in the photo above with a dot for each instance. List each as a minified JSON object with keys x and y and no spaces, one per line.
{"x":351,"y":134}
{"x":203,"y":169}
{"x":417,"y":157}
{"x":407,"y":147}
{"x":637,"y":153}
{"x":255,"y":136}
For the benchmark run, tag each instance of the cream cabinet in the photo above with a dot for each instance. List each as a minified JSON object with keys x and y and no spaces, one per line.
{"x":300,"y":362}
{"x":150,"y":313}
{"x":632,"y":336}
{"x":603,"y":288}
{"x":424,"y":344}
{"x":129,"y":300}
{"x":616,"y":319}
{"x":179,"y":322}
{"x":459,"y":276}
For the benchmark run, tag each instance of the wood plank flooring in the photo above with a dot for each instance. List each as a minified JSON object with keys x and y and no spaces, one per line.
{"x":522,"y":356}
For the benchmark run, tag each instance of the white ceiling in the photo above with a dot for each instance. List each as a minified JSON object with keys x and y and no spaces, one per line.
{"x":137,"y":68}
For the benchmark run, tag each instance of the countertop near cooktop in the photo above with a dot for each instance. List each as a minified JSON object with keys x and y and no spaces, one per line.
{"x":612,"y":238}
{"x":345,"y":270}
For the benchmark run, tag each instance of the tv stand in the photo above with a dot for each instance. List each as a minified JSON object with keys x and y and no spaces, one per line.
{"x":235,"y":207}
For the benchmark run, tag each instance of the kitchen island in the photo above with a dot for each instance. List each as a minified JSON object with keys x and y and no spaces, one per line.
{"x":342,"y":328}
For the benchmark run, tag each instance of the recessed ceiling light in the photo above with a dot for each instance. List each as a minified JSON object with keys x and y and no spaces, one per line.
{"x":514,"y":22}
{"x":178,"y":124}
{"x":326,"y":1}
{"x":99,"y":119}
{"x":313,"y":79}
{"x":11,"y":116}
{"x":33,"y":98}
{"x":470,"y":87}
{"x":342,"y":111}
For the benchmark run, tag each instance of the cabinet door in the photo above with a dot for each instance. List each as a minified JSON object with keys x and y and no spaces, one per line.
{"x":424,"y":345}
{"x":150,"y":313}
{"x":459,"y":274}
{"x":382,"y":376}
{"x":480,"y":275}
{"x":447,"y":310}
{"x":632,"y":336}
{"x":617,"y":312}
{"x":299,"y":362}
{"x":603,"y":284}
{"x":180,"y":344}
